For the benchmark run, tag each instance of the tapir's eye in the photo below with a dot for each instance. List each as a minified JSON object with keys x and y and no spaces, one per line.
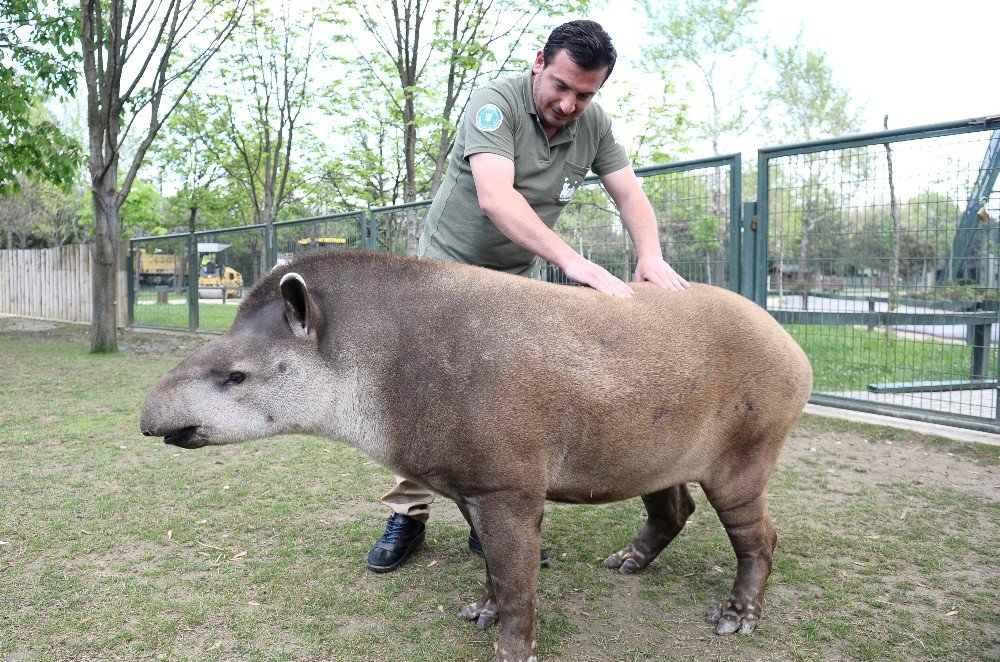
{"x":236,"y":378}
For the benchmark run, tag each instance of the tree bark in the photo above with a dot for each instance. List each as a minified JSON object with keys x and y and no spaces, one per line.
{"x":104,"y":251}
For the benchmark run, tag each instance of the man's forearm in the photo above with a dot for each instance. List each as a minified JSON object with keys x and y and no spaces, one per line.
{"x":519,"y":222}
{"x":640,"y":222}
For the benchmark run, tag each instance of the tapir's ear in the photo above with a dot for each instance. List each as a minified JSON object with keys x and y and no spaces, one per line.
{"x":300,"y":312}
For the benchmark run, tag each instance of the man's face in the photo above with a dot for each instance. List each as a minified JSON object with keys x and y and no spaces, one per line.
{"x":562,"y":90}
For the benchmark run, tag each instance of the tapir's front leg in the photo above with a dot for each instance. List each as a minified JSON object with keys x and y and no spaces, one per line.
{"x":509,"y":526}
{"x":484,"y":610}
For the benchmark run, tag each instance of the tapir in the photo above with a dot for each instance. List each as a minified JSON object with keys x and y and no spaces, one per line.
{"x":501,"y":392}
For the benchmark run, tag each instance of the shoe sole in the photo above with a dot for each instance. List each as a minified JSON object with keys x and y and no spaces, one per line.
{"x":412,"y":547}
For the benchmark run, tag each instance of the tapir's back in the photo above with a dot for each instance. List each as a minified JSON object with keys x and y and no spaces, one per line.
{"x":466,"y":357}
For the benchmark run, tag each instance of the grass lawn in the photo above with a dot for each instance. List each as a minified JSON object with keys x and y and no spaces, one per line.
{"x":214,"y":316}
{"x":847,"y":358}
{"x":117,"y":546}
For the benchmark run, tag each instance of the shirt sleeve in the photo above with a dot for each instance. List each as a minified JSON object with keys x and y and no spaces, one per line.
{"x":488,"y":124}
{"x":611,"y":156}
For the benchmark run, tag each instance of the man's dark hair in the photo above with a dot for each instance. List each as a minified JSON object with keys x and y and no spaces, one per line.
{"x":586,"y":43}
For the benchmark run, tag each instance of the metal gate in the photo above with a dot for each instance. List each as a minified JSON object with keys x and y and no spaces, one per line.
{"x":880,"y":254}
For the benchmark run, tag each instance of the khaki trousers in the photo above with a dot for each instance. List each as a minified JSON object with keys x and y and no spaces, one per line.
{"x":408,"y":498}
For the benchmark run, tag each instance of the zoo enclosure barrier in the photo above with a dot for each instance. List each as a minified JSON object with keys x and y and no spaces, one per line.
{"x":880,"y":254}
{"x":888,"y":281}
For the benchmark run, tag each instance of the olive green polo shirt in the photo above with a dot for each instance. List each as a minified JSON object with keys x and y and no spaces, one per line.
{"x":501,"y":119}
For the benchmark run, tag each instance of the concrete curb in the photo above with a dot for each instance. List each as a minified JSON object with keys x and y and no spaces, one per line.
{"x":958,"y":434}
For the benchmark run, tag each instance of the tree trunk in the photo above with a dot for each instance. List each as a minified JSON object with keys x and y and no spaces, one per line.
{"x":104,"y":317}
{"x":413,"y":225}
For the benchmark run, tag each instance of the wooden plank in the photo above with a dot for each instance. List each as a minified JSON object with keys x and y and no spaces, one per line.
{"x":86,"y":266}
{"x":39,"y":284}
{"x":14,"y":282}
{"x":78,"y":294}
{"x":62,"y":289}
{"x":6,"y":297}
{"x":19,"y":308}
{"x":45,"y":300}
{"x":938,"y":385}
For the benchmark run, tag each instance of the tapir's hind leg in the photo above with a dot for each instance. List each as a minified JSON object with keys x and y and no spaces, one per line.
{"x":666,"y":513}
{"x":752,"y":535}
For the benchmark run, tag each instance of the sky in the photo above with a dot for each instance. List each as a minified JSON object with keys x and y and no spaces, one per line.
{"x":919,"y":66}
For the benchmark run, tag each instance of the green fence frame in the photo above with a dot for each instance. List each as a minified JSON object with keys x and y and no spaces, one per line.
{"x":735,"y":185}
{"x":755,"y":268}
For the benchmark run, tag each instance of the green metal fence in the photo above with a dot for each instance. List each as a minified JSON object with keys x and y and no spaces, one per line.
{"x":396,"y":228}
{"x":696,"y":203}
{"x":224,"y":265}
{"x":880,"y":254}
{"x":697,"y":206}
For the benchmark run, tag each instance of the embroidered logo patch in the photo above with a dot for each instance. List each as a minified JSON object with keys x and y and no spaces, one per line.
{"x":489,"y":118}
{"x":568,"y":189}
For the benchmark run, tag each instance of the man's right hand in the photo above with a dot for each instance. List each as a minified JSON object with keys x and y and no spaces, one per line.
{"x":585,"y":272}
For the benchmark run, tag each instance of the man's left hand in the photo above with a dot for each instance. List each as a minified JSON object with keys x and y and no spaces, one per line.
{"x":656,"y":270}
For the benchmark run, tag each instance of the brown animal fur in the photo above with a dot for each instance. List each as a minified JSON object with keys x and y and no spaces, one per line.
{"x":501,"y":392}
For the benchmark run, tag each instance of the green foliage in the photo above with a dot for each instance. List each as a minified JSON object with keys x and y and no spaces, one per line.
{"x":140,"y":213}
{"x":39,"y":214}
{"x":709,"y":43}
{"x":251,"y":125}
{"x":38,"y":41}
{"x":807,"y":102}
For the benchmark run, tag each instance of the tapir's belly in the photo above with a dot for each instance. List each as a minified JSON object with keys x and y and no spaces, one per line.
{"x":615,"y":472}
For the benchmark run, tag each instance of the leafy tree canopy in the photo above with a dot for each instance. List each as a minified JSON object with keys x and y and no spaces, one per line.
{"x":39,"y":58}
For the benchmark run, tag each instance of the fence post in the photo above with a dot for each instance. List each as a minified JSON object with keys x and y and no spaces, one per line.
{"x":760,"y":226}
{"x":270,"y":246}
{"x":979,"y":336}
{"x":735,"y":224}
{"x":748,"y":250}
{"x":366,"y":239}
{"x":372,"y":229}
{"x":130,"y":283}
{"x":192,"y":291}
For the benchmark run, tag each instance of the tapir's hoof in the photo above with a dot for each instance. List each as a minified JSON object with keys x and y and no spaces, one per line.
{"x":732,"y":617}
{"x":626,"y":561}
{"x":483,"y":616}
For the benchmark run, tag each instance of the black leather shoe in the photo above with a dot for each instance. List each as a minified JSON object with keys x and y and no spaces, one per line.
{"x":402,"y":537}
{"x":476,"y":547}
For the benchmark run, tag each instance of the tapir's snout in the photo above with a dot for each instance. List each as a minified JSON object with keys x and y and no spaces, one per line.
{"x":187,"y":437}
{"x":164,"y":414}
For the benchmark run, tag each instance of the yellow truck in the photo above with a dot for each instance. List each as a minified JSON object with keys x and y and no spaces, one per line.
{"x":154,"y":268}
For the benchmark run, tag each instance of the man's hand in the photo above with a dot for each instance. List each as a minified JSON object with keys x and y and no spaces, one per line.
{"x":585,"y":272}
{"x":657,"y":271}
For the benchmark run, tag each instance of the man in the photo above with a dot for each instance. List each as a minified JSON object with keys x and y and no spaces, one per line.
{"x":524,"y":146}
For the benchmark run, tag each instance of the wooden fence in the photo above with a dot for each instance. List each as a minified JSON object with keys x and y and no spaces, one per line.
{"x":52,"y":284}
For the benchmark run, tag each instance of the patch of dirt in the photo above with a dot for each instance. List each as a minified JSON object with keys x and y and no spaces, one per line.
{"x":635,"y":629}
{"x":860,"y":462}
{"x":28,"y":325}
